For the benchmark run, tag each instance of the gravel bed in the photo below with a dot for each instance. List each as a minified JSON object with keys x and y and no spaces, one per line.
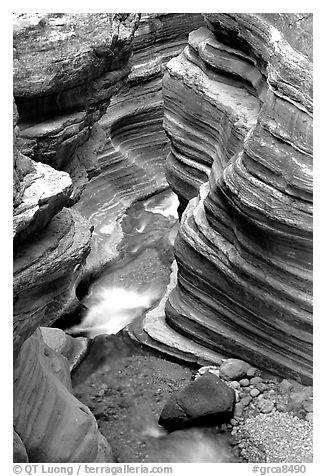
{"x":275,"y":438}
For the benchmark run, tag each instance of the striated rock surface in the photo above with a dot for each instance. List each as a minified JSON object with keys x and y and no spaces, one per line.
{"x":60,"y":428}
{"x":131,"y":157}
{"x":66,"y":69}
{"x":238,"y":112}
{"x":19,"y":450}
{"x":153,"y":331}
{"x":46,"y":267}
{"x":50,"y":244}
{"x":46,"y":193}
{"x":39,"y":191}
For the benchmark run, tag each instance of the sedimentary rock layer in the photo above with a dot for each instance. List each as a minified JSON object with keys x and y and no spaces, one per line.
{"x":60,"y":429}
{"x":238,"y":112}
{"x":66,"y":69}
{"x":132,"y":155}
{"x":46,"y":267}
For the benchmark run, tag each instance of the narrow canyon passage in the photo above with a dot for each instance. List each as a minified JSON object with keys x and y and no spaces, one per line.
{"x":162,"y":194}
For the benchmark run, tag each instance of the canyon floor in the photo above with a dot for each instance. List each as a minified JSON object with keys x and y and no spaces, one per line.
{"x":126,"y":396}
{"x":127,"y":392}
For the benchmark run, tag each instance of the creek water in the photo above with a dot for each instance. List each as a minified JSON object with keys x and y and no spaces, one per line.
{"x":135,"y":382}
{"x":136,"y":278}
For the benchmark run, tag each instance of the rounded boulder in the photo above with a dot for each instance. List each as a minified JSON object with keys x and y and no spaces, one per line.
{"x":207,"y":400}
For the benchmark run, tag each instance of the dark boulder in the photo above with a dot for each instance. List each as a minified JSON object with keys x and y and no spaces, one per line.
{"x":207,"y":400}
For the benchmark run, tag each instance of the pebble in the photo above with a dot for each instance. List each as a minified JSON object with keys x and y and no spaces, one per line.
{"x":308,"y":391}
{"x":296,"y":400}
{"x":285,"y":386}
{"x":308,"y":405}
{"x":261,"y":386}
{"x":255,"y":380}
{"x":251,"y":372}
{"x":254,"y":392}
{"x":233,"y":369}
{"x":209,"y":368}
{"x":244,"y":382}
{"x":246,"y":400}
{"x":265,"y":406}
{"x":309,"y":417}
{"x":234,"y":422}
{"x":297,"y":386}
{"x":281,"y":407}
{"x":238,"y":409}
{"x":233,"y":384}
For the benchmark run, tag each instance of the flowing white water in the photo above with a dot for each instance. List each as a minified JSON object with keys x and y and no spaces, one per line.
{"x":167,"y":207}
{"x":114,"y":308}
{"x":114,"y":300}
{"x":191,"y":445}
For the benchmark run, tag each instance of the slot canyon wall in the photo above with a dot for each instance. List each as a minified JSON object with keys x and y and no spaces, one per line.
{"x":134,"y":146}
{"x":238,"y":113}
{"x":67,"y":69}
{"x":236,"y":147}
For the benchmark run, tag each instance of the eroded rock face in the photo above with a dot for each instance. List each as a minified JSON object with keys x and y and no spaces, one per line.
{"x":66,"y":69}
{"x":238,"y":112}
{"x":45,"y":271}
{"x":60,"y":428}
{"x":133,"y":148}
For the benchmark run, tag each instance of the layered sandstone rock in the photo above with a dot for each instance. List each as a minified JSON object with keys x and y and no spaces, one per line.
{"x":46,"y":267}
{"x":238,"y":112}
{"x":66,"y":69}
{"x":60,"y":428}
{"x":19,"y":450}
{"x":134,"y":146}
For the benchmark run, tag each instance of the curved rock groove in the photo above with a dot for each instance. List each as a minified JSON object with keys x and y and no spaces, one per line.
{"x":238,"y":113}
